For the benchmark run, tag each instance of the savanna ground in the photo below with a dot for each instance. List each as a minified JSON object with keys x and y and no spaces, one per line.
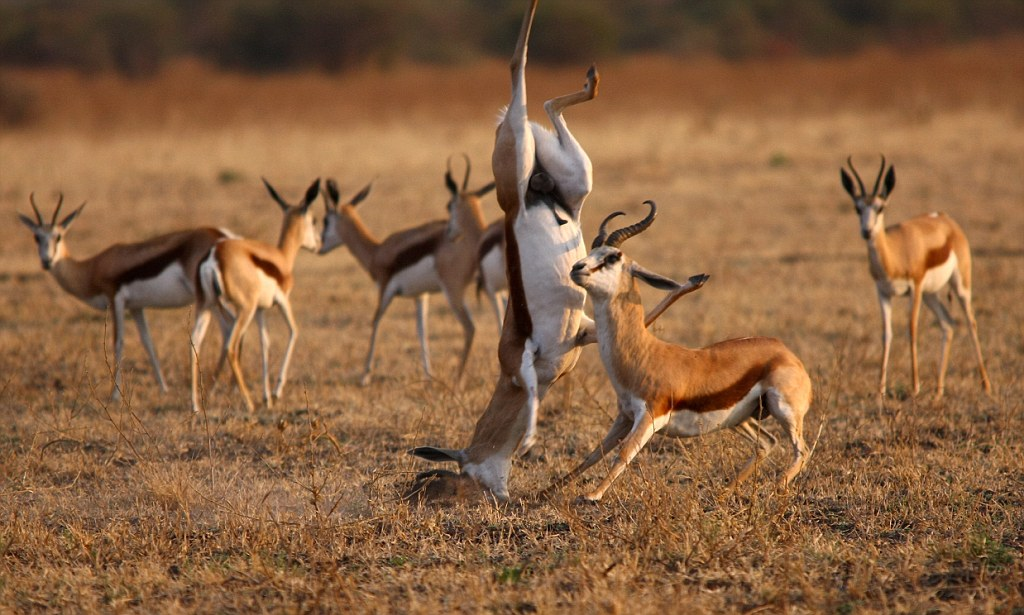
{"x":914,"y":506}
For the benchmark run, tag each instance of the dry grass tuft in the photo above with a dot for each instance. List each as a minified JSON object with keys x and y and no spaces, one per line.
{"x":912,"y":506}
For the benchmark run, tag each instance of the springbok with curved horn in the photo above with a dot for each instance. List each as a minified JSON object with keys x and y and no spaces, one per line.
{"x":435,"y":257}
{"x":542,"y":180}
{"x":126,"y":277}
{"x":668,"y":389}
{"x":242,"y":278}
{"x":920,"y":257}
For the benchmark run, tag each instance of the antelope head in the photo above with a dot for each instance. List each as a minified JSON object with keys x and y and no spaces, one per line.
{"x":50,"y":237}
{"x":463,"y":204}
{"x":300,"y":214}
{"x":331,"y":237}
{"x":869,"y":207}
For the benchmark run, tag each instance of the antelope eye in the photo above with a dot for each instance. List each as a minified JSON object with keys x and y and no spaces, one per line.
{"x":613,"y":258}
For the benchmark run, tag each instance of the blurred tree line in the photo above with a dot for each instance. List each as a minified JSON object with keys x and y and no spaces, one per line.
{"x":135,"y":37}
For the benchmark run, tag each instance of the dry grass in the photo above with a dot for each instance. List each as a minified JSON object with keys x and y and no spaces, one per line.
{"x":916,"y":506}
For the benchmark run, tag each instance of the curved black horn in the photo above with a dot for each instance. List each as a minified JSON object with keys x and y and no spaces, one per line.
{"x":860,"y":182}
{"x":602,"y":232}
{"x":60,"y":201}
{"x":32,"y":200}
{"x":465,"y":180}
{"x":878,"y":180}
{"x":615,"y":239}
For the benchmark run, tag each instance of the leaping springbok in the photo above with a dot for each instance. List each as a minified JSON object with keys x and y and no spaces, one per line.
{"x":668,"y":389}
{"x":435,"y":257}
{"x":125,"y":277}
{"x":542,"y":180}
{"x":242,"y":278}
{"x":920,"y":256}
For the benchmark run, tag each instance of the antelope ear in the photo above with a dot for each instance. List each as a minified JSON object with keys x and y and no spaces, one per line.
{"x":66,"y":222}
{"x":890,"y":182}
{"x":847,"y":183}
{"x":311,"y":192}
{"x":482,"y":191}
{"x":330,"y":189}
{"x":657,"y":281}
{"x":359,"y":198}
{"x":29,"y":222}
{"x":431,"y":453}
{"x":274,"y":195}
{"x":450,"y":183}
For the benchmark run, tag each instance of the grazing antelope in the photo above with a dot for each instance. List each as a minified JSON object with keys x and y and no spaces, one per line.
{"x":244,"y":277}
{"x":542,"y":180}
{"x":125,"y":277}
{"x":491,"y":277}
{"x":438,"y":256}
{"x":679,"y":392}
{"x":920,"y":257}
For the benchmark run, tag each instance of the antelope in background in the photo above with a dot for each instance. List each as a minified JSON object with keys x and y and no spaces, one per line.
{"x":542,"y":179}
{"x":920,"y":257}
{"x":126,"y":277}
{"x":438,"y":256}
{"x":666,"y":388}
{"x":491,"y":277}
{"x":242,"y":278}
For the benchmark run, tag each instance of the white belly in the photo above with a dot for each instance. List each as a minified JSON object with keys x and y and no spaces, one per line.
{"x":686,"y":424}
{"x":936,"y":278}
{"x":170,"y":289}
{"x":547,"y":253}
{"x":492,"y":267}
{"x":419,"y":278}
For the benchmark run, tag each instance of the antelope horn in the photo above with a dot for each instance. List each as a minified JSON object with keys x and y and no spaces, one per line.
{"x":860,"y":182}
{"x":615,"y":239}
{"x":602,"y":233}
{"x":878,"y":180}
{"x":60,"y":201}
{"x":465,"y":181}
{"x":32,"y":199}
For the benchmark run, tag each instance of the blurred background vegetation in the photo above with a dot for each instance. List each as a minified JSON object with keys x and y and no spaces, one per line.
{"x":135,"y":37}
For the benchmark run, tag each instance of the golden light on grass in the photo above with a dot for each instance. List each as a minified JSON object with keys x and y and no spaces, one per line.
{"x":914,"y":506}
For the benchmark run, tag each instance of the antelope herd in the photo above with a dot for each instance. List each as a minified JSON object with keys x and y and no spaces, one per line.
{"x":537,"y":274}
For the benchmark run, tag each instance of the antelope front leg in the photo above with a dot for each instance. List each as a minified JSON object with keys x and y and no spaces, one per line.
{"x":643,"y":429}
{"x":139,"y":316}
{"x":915,"y":313}
{"x":618,"y":431}
{"x":293,"y":333}
{"x":885,"y":304}
{"x":117,"y":311}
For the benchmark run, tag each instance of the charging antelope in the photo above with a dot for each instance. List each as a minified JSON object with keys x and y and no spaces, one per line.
{"x":156,"y":273}
{"x":244,"y":277}
{"x":920,"y":257}
{"x":542,"y":180}
{"x":677,"y":391}
{"x":491,"y":277}
{"x":438,"y":256}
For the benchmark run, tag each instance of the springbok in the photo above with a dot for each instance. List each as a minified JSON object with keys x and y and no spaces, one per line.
{"x":542,"y":180}
{"x":244,"y":277}
{"x":125,"y":277}
{"x":920,"y":257}
{"x":438,"y":256}
{"x":666,"y":388}
{"x":491,"y":276}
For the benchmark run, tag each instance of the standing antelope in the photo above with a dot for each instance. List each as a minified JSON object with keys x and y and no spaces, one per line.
{"x":491,"y":263}
{"x":244,"y":277}
{"x":542,"y":180}
{"x":677,"y":391}
{"x":438,"y":256}
{"x":156,"y":273}
{"x":919,"y":256}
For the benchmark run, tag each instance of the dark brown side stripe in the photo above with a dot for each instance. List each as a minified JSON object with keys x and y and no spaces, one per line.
{"x":940,"y":255}
{"x":269,"y":268}
{"x":413,"y":254}
{"x":724,"y":398}
{"x":516,"y":291}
